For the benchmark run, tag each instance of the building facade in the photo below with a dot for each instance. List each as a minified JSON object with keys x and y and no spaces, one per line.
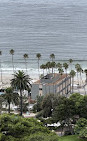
{"x":52,"y":83}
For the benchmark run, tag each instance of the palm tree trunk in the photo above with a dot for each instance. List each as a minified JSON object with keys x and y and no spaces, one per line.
{"x":38,"y":65}
{"x":71,"y":66}
{"x":21,"y":103}
{"x":65,"y":83}
{"x":77,"y":78}
{"x":26,"y":65}
{"x":9,"y":108}
{"x":38,"y":69}
{"x":43,"y":72}
{"x":52,"y":70}
{"x":12,"y":63}
{"x":66,"y":72}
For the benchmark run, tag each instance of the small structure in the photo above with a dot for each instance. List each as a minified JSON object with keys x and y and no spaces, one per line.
{"x":52,"y":83}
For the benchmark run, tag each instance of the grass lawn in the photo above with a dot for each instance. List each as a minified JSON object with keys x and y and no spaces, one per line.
{"x":71,"y":138}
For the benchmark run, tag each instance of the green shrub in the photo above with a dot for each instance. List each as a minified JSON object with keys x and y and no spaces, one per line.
{"x":41,"y":137}
{"x":83,"y":133}
{"x":81,"y":123}
{"x":2,"y":137}
{"x":16,"y":128}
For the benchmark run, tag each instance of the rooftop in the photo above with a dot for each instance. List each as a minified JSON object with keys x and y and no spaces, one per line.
{"x":51,"y":79}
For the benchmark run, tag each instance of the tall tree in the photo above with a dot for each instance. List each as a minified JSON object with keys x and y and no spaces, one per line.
{"x":1,"y":65}
{"x":53,"y":64}
{"x":77,"y":67}
{"x":80,"y":71}
{"x":72,"y":73}
{"x":21,"y":82}
{"x":38,"y":56}
{"x":52,"y":57}
{"x":70,"y":61}
{"x":10,"y":97}
{"x":48,"y":66}
{"x":43,"y":66}
{"x":58,"y":65}
{"x":65,"y":65}
{"x":47,"y":105}
{"x":25,"y":58}
{"x":64,"y":111}
{"x":12,"y":53}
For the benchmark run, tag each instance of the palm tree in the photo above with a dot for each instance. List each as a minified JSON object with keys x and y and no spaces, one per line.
{"x":58,"y":65}
{"x":12,"y":53}
{"x":60,"y":71}
{"x":52,"y":56}
{"x":65,"y":65}
{"x":53,"y":64}
{"x":25,"y":57}
{"x":86,"y":75}
{"x":80,"y":71}
{"x":72,"y":74}
{"x":48,"y":66}
{"x":0,"y":65}
{"x":70,"y":61}
{"x":21,"y":82}
{"x":77,"y":67}
{"x":38,"y":56}
{"x":43,"y":67}
{"x":10,"y":97}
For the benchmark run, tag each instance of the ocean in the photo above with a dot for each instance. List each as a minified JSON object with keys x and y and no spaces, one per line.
{"x":42,"y":26}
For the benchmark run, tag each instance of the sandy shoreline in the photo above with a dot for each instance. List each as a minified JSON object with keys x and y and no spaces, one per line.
{"x":6,"y":80}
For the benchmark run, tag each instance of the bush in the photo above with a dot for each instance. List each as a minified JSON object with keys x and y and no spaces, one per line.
{"x":81,"y":123}
{"x":83,"y":133}
{"x":16,"y":128}
{"x":41,"y":137}
{"x":2,"y":137}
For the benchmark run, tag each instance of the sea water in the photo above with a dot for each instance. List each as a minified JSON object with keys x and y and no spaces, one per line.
{"x":42,"y":26}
